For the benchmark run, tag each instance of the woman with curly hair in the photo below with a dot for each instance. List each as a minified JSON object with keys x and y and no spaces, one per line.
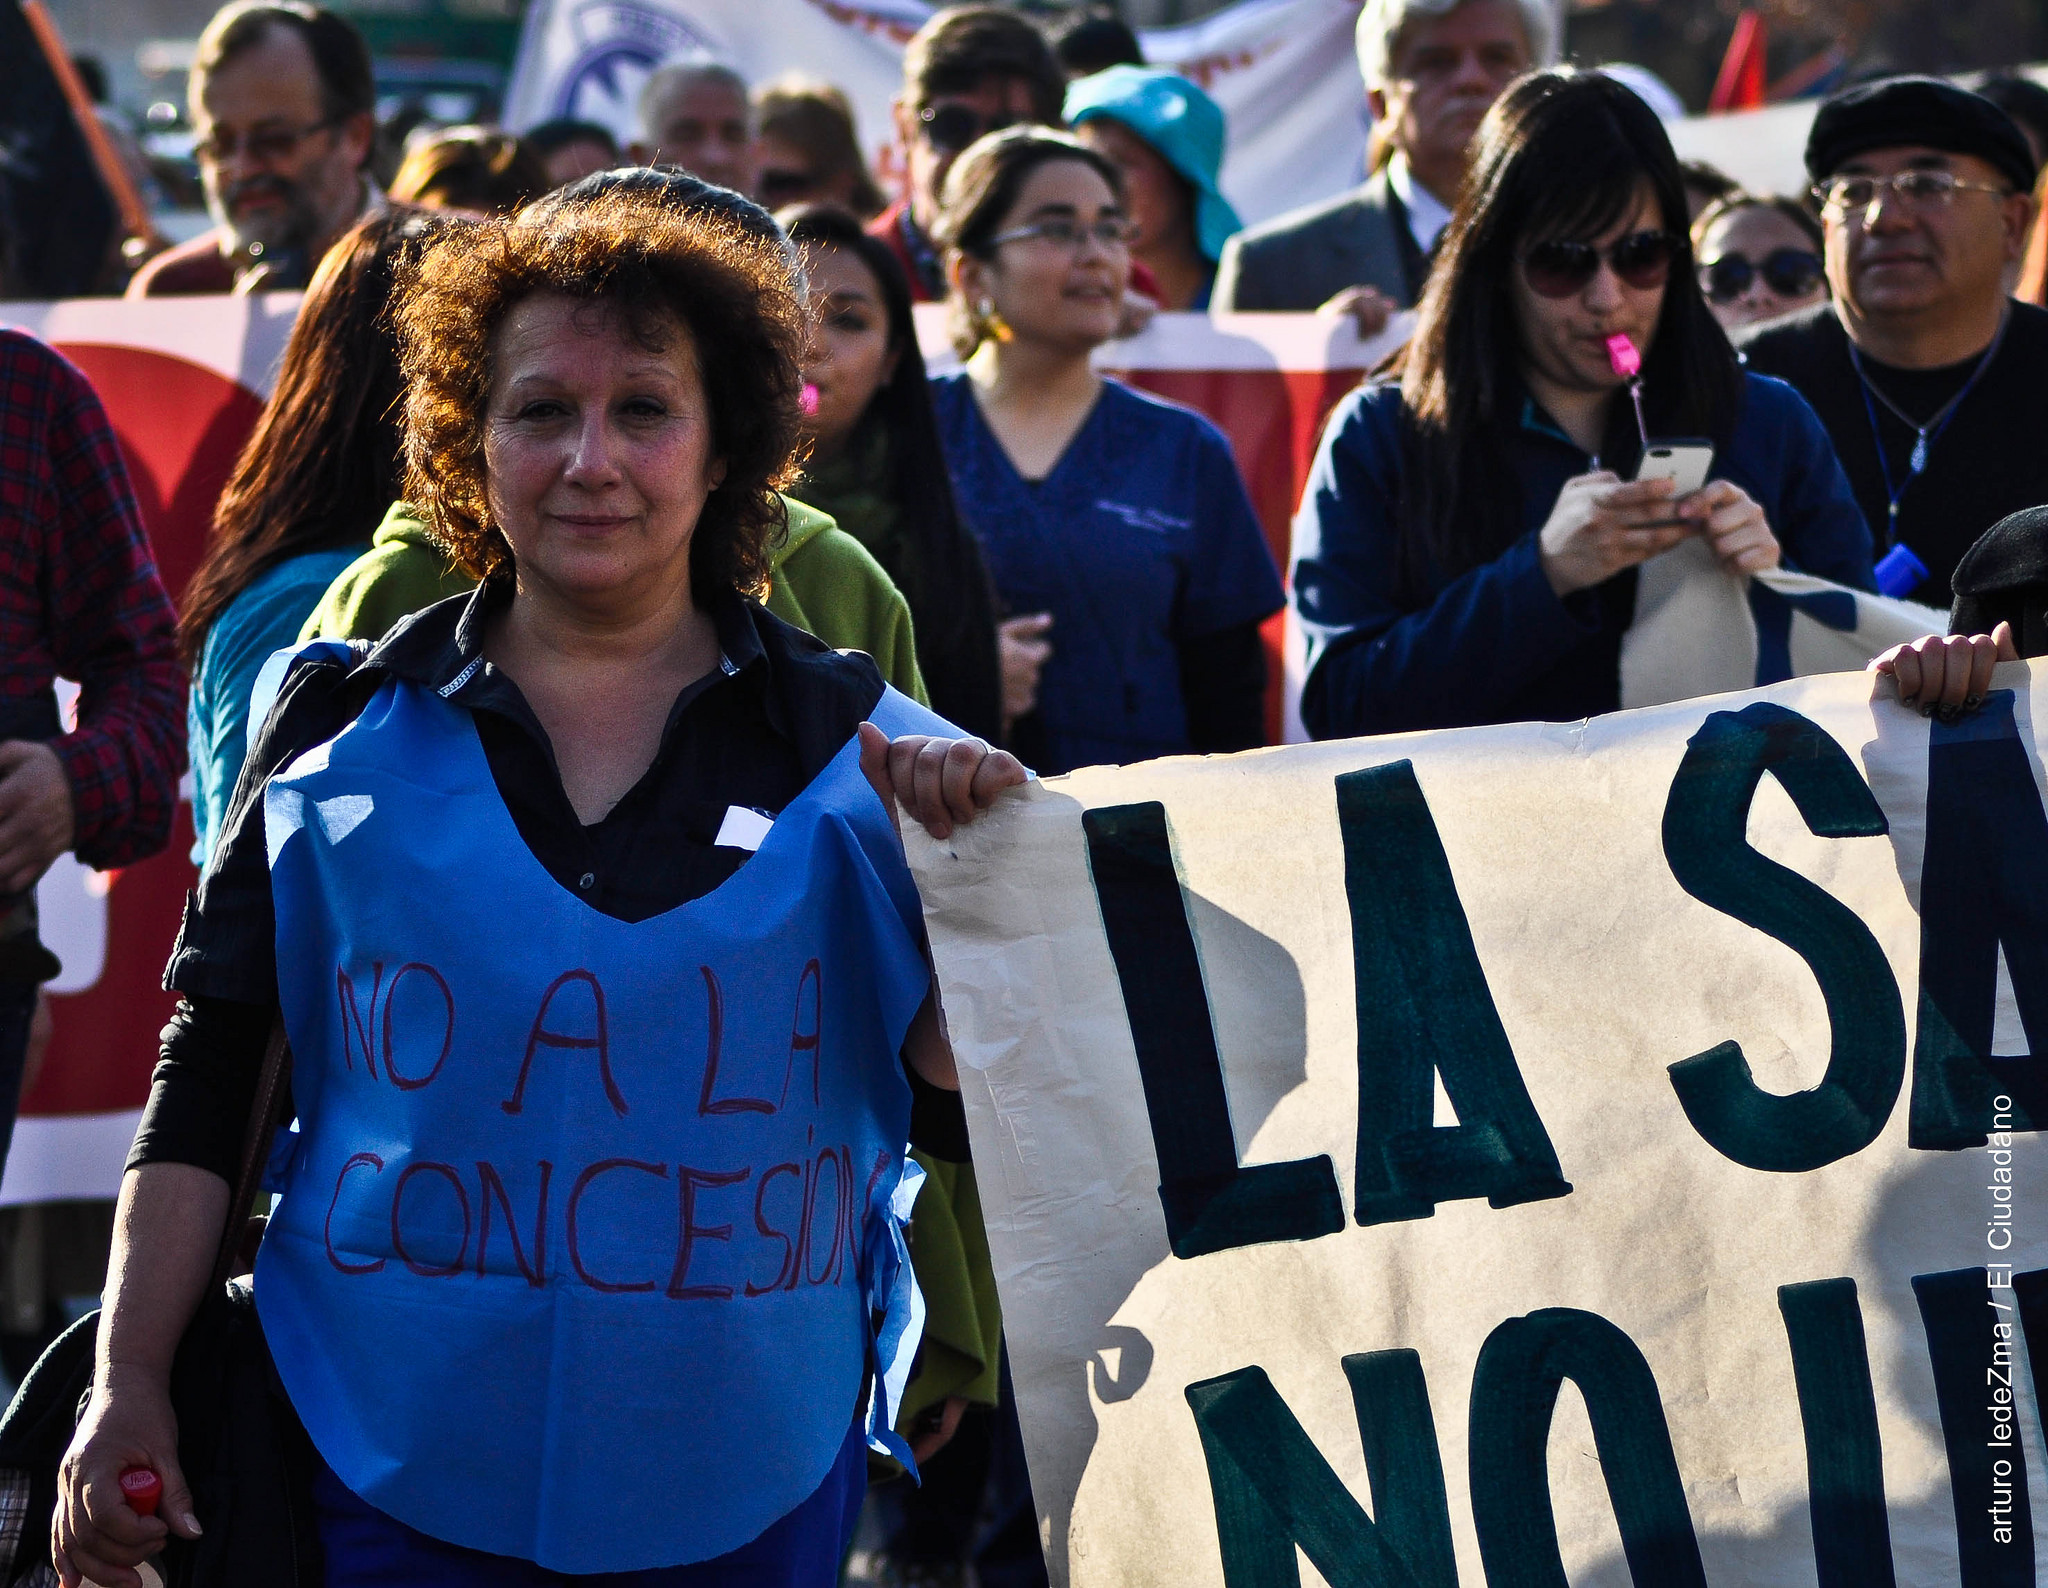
{"x":588,"y":1258}
{"x":820,"y":578}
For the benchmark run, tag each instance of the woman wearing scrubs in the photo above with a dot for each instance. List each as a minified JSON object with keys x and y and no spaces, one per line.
{"x":1119,"y":516}
{"x":1166,"y":136}
{"x":588,"y":1257}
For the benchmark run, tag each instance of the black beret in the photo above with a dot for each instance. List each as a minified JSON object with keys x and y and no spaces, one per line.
{"x":2004,"y":578}
{"x":1923,"y":110}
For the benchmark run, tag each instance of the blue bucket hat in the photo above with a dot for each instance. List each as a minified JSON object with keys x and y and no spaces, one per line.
{"x":1180,"y":121}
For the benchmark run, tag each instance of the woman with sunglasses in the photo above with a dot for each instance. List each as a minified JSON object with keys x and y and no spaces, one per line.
{"x":1467,"y":542}
{"x":1116,"y":525}
{"x":1759,"y":257}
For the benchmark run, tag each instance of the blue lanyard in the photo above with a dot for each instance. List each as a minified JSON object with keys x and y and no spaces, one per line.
{"x":1924,"y":435}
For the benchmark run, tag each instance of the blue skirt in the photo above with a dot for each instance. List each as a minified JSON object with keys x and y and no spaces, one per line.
{"x":364,"y":1548}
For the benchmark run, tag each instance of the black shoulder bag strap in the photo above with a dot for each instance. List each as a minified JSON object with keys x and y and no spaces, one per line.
{"x":266,"y":1111}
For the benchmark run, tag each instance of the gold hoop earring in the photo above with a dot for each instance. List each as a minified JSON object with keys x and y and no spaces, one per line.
{"x":992,"y":323}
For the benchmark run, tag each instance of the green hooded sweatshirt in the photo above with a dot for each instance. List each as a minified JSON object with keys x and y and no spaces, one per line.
{"x":823,"y":581}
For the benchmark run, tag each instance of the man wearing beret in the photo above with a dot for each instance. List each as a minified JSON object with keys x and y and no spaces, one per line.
{"x":1927,"y":374}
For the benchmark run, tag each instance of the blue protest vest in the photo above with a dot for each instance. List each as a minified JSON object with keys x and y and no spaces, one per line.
{"x":589,"y":1225}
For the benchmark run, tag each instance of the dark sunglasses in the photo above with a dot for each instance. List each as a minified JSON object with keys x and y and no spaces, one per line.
{"x":951,"y":128}
{"x":1789,"y":272}
{"x":778,"y":187}
{"x":1559,"y":269}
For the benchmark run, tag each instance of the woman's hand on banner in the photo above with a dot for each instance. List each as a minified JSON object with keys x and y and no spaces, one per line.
{"x":938,"y":782}
{"x":1947,"y":673}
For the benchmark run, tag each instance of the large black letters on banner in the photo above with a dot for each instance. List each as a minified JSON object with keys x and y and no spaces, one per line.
{"x":1705,"y":823}
{"x":1423,"y":1007}
{"x":1402,"y":1462}
{"x":1210,"y":1201}
{"x":1984,"y":885}
{"x":1852,"y":1541}
{"x":1514,"y":1395}
{"x":1272,"y":1488}
{"x":1987,"y":1471}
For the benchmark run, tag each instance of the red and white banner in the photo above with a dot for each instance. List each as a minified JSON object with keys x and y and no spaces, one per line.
{"x":183,"y":380}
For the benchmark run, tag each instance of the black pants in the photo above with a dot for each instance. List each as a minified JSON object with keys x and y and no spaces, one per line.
{"x":17,"y":1009}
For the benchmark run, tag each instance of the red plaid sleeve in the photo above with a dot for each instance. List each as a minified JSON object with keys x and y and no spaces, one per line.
{"x":80,"y":596}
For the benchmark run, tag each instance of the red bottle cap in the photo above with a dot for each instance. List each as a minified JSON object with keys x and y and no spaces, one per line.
{"x":141,"y":1488}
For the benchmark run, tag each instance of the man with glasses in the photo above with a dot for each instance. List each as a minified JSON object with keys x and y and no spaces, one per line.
{"x":968,"y":71}
{"x":1432,"y":69}
{"x":283,"y":104}
{"x":1926,"y":374}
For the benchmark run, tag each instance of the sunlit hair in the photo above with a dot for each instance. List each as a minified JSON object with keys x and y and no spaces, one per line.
{"x":470,"y":168}
{"x":1382,"y":22}
{"x":1562,"y":155}
{"x":323,"y":462}
{"x":665,"y":273}
{"x":981,"y":190}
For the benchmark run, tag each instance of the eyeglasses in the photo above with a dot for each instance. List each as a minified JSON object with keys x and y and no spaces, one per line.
{"x":951,"y":128}
{"x":1111,"y":231}
{"x":1789,"y":272}
{"x":264,"y":146}
{"x":1919,"y":189}
{"x":1559,"y":269}
{"x":778,"y":187}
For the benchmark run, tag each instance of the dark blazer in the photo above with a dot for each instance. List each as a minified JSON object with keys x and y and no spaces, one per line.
{"x":1304,"y":258}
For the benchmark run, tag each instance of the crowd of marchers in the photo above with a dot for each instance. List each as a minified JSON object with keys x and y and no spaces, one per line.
{"x":605,"y":549}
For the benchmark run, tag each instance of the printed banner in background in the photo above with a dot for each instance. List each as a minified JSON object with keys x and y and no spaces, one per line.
{"x":183,"y":380}
{"x":1336,"y":1106}
{"x":1284,"y":72}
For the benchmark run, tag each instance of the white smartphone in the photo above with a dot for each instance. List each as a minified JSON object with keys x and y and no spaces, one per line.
{"x":1684,"y":460}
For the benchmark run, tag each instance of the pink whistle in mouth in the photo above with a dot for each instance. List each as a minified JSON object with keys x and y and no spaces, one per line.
{"x":1622,"y":355}
{"x":807,"y":399}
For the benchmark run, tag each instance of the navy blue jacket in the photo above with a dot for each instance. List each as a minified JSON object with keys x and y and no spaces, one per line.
{"x":1497,"y":644}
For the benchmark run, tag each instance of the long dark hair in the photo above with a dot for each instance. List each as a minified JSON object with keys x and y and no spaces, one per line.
{"x":943,"y":555}
{"x":322,"y":464}
{"x":1562,"y":154}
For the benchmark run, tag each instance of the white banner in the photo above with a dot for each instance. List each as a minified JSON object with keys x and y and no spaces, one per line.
{"x":1283,"y":71}
{"x":1334,"y":1105}
{"x":1699,"y":630}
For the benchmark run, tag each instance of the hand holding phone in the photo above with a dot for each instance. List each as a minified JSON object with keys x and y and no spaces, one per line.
{"x":1684,"y":461}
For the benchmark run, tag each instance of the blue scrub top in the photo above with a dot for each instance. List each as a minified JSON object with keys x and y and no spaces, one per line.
{"x":264,"y":619}
{"x":1140,"y":539}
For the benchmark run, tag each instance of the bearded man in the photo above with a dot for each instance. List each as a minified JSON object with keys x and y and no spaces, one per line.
{"x":284,"y":105}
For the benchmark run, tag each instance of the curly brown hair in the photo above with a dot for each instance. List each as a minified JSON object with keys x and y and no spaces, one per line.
{"x":656,"y":266}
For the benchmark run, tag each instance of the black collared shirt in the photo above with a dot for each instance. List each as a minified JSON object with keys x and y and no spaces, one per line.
{"x":752,"y":733}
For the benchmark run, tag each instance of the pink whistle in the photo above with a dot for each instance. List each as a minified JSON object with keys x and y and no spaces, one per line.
{"x":1622,"y":355}
{"x":807,"y":399}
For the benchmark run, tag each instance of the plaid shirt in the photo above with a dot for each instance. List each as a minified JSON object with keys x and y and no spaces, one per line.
{"x":79,"y":595}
